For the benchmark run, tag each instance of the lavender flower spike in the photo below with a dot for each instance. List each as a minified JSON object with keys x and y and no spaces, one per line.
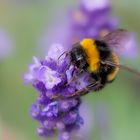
{"x":92,"y":19}
{"x":6,"y":44}
{"x":50,"y":77}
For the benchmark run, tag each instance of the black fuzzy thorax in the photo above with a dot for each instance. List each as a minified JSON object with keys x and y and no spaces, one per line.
{"x":78,"y":57}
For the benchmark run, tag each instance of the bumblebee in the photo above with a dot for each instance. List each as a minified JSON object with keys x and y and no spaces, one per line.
{"x":100,"y":59}
{"x":91,"y":55}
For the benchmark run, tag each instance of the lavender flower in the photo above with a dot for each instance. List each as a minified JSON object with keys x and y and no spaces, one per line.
{"x":6,"y":44}
{"x":92,"y":20}
{"x":50,"y":77}
{"x":93,"y":5}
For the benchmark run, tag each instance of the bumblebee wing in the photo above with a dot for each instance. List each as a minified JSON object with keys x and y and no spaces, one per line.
{"x":121,"y":41}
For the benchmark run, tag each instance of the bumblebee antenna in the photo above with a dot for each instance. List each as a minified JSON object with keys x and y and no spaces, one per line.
{"x":63,"y":54}
{"x":122,"y":67}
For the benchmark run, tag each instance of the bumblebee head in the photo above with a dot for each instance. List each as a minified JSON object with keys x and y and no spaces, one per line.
{"x":78,"y":56}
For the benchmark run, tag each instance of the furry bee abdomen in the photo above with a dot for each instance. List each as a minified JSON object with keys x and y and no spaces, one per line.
{"x":112,"y":75}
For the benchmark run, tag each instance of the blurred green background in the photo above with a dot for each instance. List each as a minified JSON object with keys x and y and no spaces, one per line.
{"x":25,"y":21}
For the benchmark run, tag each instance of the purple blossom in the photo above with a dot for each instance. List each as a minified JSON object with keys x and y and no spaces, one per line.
{"x":53,"y":109}
{"x":49,"y":77}
{"x":53,"y":118}
{"x":6,"y":44}
{"x":64,"y":136}
{"x":92,"y":20}
{"x":93,"y":5}
{"x":55,"y":51}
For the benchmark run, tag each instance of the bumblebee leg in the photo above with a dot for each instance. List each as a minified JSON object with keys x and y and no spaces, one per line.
{"x":85,"y":90}
{"x":74,"y":77}
{"x":81,"y":92}
{"x":67,"y":53}
{"x":62,"y":55}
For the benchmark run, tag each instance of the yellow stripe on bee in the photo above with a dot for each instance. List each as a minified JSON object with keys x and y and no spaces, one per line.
{"x":114,"y":73}
{"x":93,"y":55}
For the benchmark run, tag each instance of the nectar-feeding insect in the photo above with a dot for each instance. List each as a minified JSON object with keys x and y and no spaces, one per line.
{"x":100,"y":59}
